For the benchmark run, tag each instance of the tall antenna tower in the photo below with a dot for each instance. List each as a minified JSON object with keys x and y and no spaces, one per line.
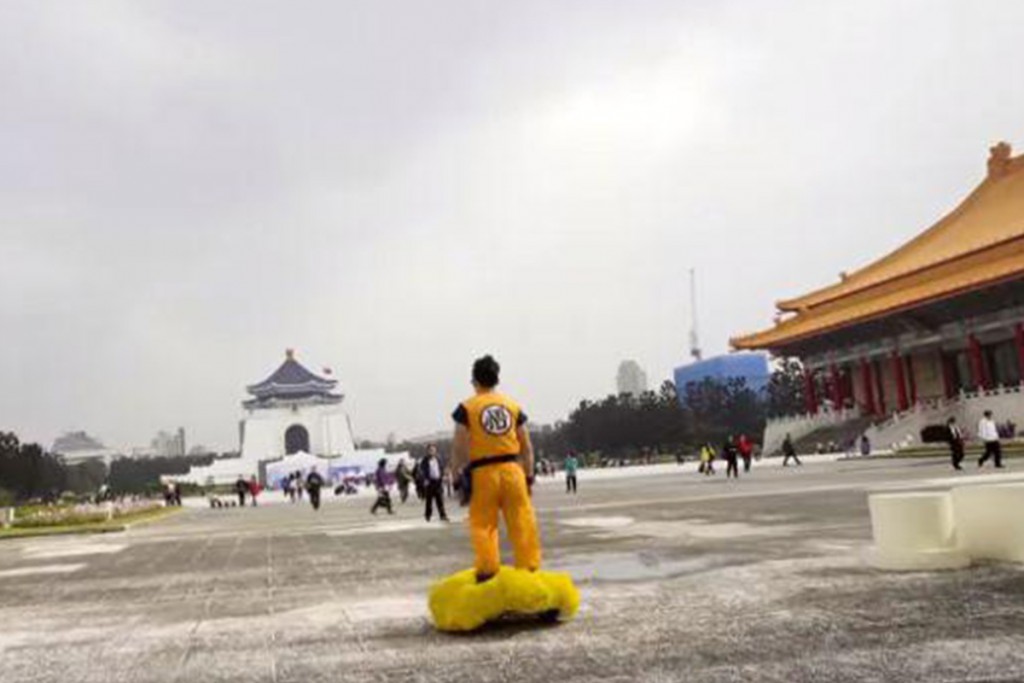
{"x":694,"y":341}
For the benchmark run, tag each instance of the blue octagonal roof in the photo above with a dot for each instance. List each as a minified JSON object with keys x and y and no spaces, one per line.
{"x":292,"y":380}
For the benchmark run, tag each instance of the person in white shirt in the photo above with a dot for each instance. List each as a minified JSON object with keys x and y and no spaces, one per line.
{"x":989,"y":435}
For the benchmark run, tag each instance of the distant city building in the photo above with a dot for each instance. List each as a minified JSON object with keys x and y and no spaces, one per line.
{"x":165,"y":444}
{"x":752,"y":368}
{"x":631,"y":379}
{"x":78,"y":447}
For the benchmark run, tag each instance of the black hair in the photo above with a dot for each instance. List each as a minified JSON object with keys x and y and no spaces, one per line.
{"x":485,"y":372}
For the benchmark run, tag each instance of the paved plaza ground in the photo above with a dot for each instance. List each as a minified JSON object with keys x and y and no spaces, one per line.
{"x":684,"y":578}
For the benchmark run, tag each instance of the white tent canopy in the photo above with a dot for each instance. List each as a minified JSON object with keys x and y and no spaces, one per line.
{"x":333,"y":470}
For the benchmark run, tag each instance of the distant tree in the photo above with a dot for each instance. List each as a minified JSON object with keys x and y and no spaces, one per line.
{"x":719,"y":409}
{"x":27,"y":471}
{"x":785,"y":391}
{"x":139,"y":475}
{"x":626,"y":425}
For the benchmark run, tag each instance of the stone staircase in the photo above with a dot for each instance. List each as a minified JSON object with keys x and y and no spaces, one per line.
{"x":842,"y":434}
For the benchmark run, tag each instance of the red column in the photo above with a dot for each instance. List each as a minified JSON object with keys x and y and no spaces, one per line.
{"x":879,"y":388}
{"x":837,"y":389}
{"x":869,"y":390}
{"x":810,"y":396}
{"x":947,"y":374}
{"x":1020,"y":350}
{"x":901,"y":382}
{"x":978,"y":373}
{"x":911,"y":379}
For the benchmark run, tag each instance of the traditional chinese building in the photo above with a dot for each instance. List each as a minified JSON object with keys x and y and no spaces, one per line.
{"x":292,"y":411}
{"x":931,"y":330}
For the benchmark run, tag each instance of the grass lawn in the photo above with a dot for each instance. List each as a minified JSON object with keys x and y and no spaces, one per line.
{"x":119,"y":524}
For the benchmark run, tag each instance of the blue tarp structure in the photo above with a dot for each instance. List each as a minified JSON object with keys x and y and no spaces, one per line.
{"x":751,"y":367}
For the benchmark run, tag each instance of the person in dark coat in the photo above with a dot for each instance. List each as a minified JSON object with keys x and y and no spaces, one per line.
{"x":241,"y":488}
{"x":731,"y":458}
{"x":955,"y":438}
{"x":433,"y":470}
{"x":314,"y":482}
{"x":788,"y":451}
{"x":418,"y":481}
{"x":403,"y":478}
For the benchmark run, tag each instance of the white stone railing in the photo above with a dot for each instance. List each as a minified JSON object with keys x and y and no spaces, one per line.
{"x":902,"y":429}
{"x":819,"y":419}
{"x":798,"y":426}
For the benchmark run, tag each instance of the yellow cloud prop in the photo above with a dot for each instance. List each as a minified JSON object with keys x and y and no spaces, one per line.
{"x":459,"y":603}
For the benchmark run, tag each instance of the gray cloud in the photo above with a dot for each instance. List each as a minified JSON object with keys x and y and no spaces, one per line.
{"x":393,"y":187}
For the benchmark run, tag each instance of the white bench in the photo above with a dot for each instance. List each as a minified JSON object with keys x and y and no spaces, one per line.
{"x":989,"y":520}
{"x":914,"y":531}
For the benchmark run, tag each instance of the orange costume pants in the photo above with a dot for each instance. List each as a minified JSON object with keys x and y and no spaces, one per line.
{"x":502,"y":488}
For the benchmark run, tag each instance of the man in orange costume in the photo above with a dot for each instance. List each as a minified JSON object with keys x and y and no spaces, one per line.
{"x":492,"y":441}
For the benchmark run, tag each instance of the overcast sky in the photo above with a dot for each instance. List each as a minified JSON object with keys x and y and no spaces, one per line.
{"x":188,"y":188}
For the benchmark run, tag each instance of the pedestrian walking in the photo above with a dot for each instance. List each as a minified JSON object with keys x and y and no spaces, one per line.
{"x":254,"y":490}
{"x":434,"y":484}
{"x":788,"y":451}
{"x":418,"y":480}
{"x":380,"y":481}
{"x":241,"y":488}
{"x":955,"y":438}
{"x":707,"y":459}
{"x":314,"y":482}
{"x":301,"y":484}
{"x":746,"y":450}
{"x":571,"y":465}
{"x":989,"y":435}
{"x":865,"y":445}
{"x":731,"y":458}
{"x":403,"y":477}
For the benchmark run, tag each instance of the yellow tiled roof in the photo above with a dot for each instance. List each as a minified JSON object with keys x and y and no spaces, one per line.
{"x":979,"y":243}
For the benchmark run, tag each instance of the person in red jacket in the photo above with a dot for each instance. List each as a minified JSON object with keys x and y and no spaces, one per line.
{"x":254,"y":490}
{"x":746,"y":450}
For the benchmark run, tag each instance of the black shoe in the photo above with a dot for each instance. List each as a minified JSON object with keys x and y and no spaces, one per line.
{"x":445,"y":519}
{"x":481,"y":578}
{"x":1000,"y":466}
{"x":549,"y":617}
{"x":981,"y":462}
{"x":957,"y":467}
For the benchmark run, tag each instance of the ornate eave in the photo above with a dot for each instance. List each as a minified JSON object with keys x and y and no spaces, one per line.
{"x":293,"y":401}
{"x":978,"y":245}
